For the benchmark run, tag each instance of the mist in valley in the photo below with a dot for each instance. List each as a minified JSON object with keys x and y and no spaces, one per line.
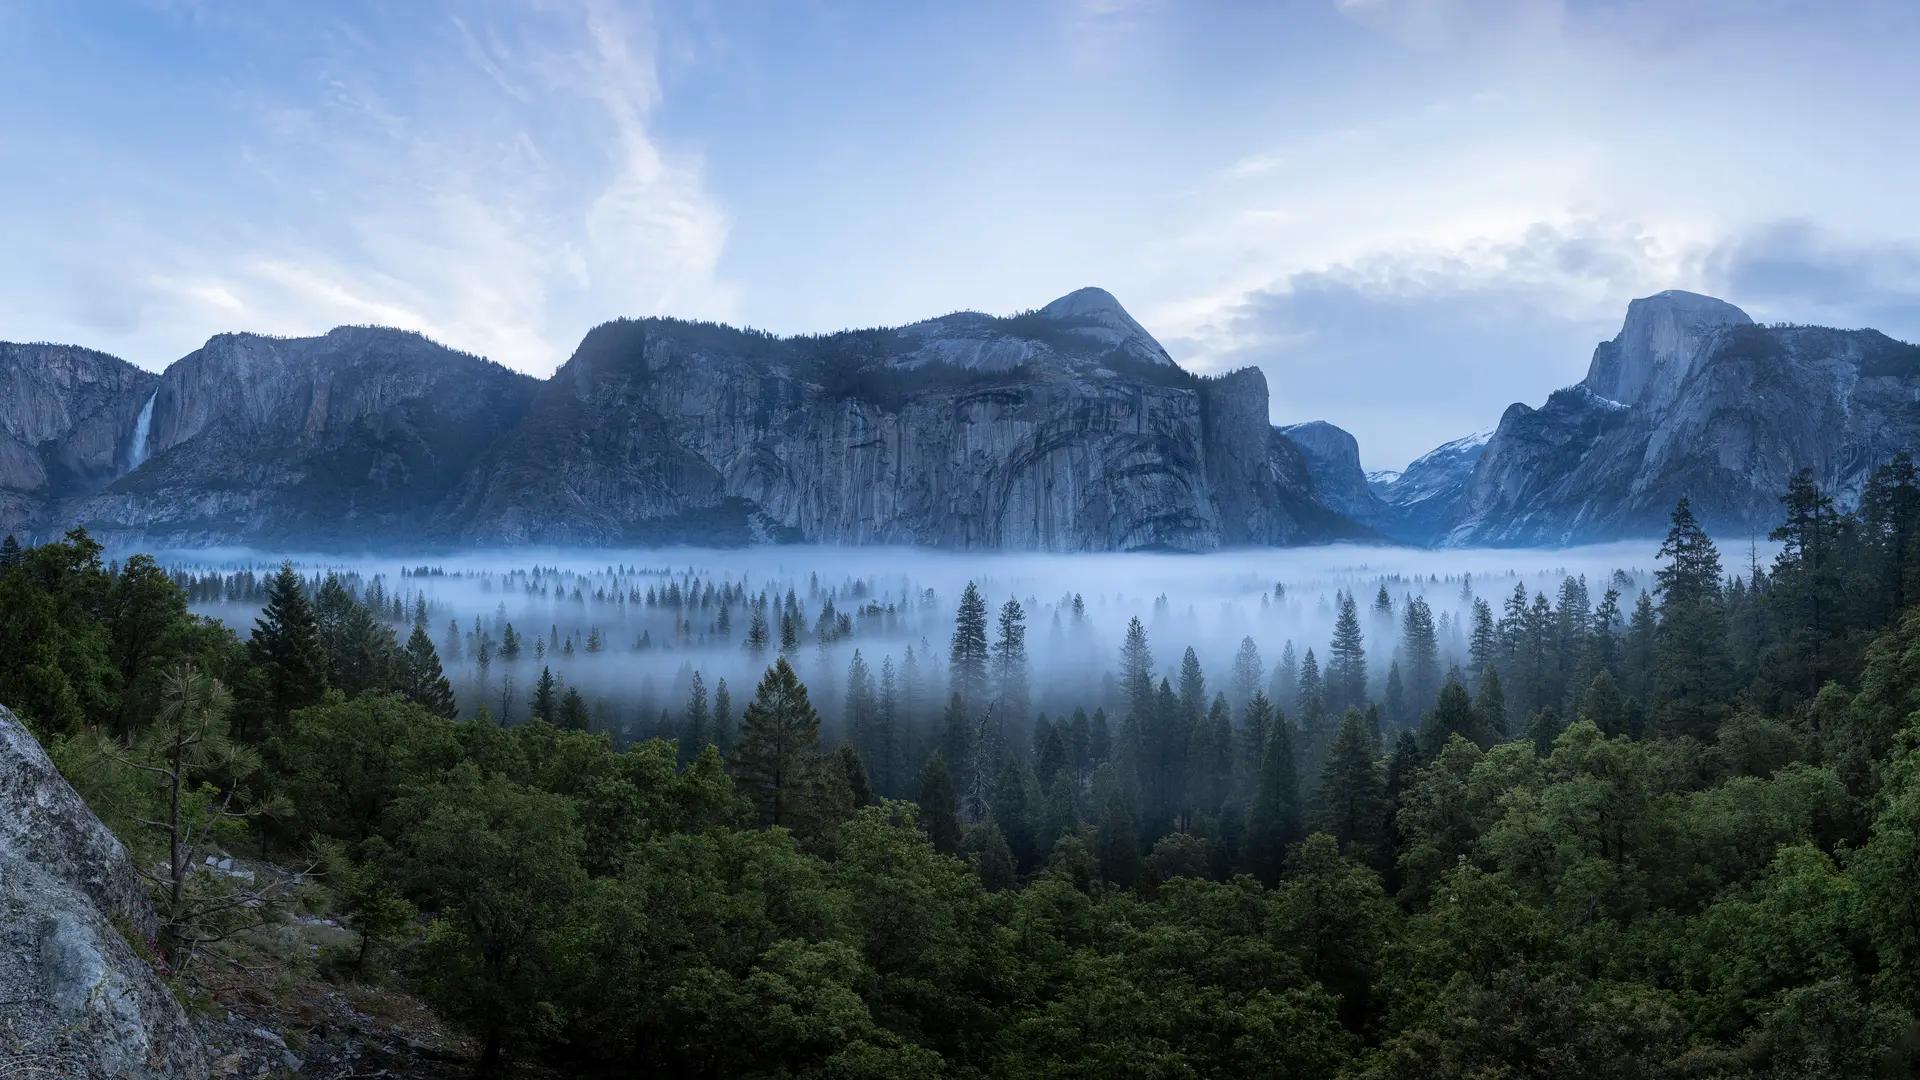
{"x":653,"y":639}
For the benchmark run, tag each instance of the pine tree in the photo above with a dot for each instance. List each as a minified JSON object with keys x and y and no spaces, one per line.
{"x":1453,"y":714}
{"x":1248,"y":673}
{"x":1351,"y":796}
{"x":545,"y":699}
{"x":862,"y":708}
{"x":571,"y":712}
{"x":1311,"y":693}
{"x":11,"y":554}
{"x":776,"y":762}
{"x":425,"y":683}
{"x":1483,"y":648}
{"x":286,"y":647}
{"x":968,"y":658}
{"x":698,"y":724}
{"x":722,"y":716}
{"x":1275,"y":822}
{"x":758,"y":637}
{"x":1010,"y":672}
{"x":1422,"y":647}
{"x":1256,"y":729}
{"x":886,"y":731}
{"x":1347,"y":661}
{"x":1394,"y":697}
{"x":939,"y":808}
{"x":1492,"y":701}
{"x":1013,"y":813}
{"x":1136,"y":670}
{"x":1690,"y":661}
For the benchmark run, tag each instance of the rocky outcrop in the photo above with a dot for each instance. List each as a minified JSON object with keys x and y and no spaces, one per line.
{"x":1068,"y":428}
{"x":348,"y":438}
{"x":66,"y":421}
{"x":1690,"y":399}
{"x":75,"y":999}
{"x":1333,"y":459}
{"x":1422,"y":501}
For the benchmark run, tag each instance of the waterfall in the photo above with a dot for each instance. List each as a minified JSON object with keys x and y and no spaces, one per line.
{"x":142,"y":434}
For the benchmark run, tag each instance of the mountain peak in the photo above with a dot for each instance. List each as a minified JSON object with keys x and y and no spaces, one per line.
{"x":1096,"y":313}
{"x":1661,"y":340}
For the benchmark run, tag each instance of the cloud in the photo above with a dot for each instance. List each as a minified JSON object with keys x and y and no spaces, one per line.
{"x":492,"y":178}
{"x":1409,"y":348}
{"x":1796,"y":271}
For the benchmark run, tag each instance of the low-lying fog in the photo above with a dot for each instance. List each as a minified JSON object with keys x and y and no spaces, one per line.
{"x":630,"y":628}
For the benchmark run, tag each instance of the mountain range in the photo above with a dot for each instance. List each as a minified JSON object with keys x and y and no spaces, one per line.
{"x":1067,"y":428}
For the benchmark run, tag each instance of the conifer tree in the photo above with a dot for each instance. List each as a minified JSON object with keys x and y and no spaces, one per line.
{"x":1421,"y":645}
{"x":1690,"y":660}
{"x":1010,"y":671}
{"x":286,"y":647}
{"x":1453,"y":714}
{"x":722,"y":715}
{"x":758,"y":637}
{"x":698,"y":725}
{"x":1248,"y":673}
{"x":1136,"y":670}
{"x":885,"y":763}
{"x":1275,"y":821}
{"x":545,"y":697}
{"x":939,"y":807}
{"x":967,"y":657}
{"x":776,"y":762}
{"x":862,"y":707}
{"x":1351,"y":805}
{"x":571,"y":712}
{"x":1483,"y":648}
{"x":1346,"y":661}
{"x":11,"y":554}
{"x":425,"y":683}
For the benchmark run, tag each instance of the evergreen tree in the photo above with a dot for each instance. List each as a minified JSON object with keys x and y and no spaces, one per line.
{"x":758,"y":636}
{"x":286,"y":647}
{"x":1256,"y":729}
{"x":722,"y":715}
{"x":967,"y":658}
{"x":776,"y":763}
{"x":425,"y":684}
{"x":1351,"y":797}
{"x":862,"y":708}
{"x":1136,"y":670}
{"x":571,"y":712}
{"x":545,"y":699}
{"x":1311,"y":693}
{"x":698,"y":724}
{"x":1010,"y":674}
{"x":1013,"y":813}
{"x":886,"y":732}
{"x":1483,"y":648}
{"x":939,"y":807}
{"x":1248,"y":673}
{"x":1690,"y":645}
{"x":1492,"y":702}
{"x":1394,"y":698}
{"x":1421,"y":645}
{"x":1346,"y":661}
{"x":11,"y":554}
{"x":1452,"y":715}
{"x":1275,"y":821}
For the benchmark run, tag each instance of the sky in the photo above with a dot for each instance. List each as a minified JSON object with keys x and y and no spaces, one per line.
{"x":1408,"y":213}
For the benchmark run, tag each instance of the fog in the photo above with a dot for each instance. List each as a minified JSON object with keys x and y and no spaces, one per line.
{"x":630,"y":628}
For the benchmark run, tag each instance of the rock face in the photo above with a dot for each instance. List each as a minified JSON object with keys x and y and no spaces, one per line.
{"x":1333,"y":460}
{"x":74,"y":998}
{"x":1422,"y":501}
{"x":1063,"y":429}
{"x":66,"y":421}
{"x":1690,"y":399}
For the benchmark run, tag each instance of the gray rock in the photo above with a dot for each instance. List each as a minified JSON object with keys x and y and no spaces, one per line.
{"x":1063,"y":429}
{"x":74,"y":997}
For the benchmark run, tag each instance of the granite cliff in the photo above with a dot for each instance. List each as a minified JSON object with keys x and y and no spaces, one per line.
{"x":1068,"y":428}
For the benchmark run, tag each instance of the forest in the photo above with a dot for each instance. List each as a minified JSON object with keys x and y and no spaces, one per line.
{"x":1655,"y":823}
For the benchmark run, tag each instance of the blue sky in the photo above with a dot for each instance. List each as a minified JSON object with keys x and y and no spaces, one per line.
{"x":1408,"y":212}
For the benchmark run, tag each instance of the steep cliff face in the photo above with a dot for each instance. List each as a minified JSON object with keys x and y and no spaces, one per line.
{"x":1333,"y":458}
{"x":74,"y":999}
{"x":1691,"y":399}
{"x":346,"y":438}
{"x":66,"y":420}
{"x":1422,"y":502}
{"x":1063,"y":429}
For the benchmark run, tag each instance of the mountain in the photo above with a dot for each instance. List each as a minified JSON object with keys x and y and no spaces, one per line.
{"x":1068,"y":428}
{"x":1691,"y":398}
{"x":67,"y":417}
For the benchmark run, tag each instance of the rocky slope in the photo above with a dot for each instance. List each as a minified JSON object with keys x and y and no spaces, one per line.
{"x":75,"y":1000}
{"x":1692,"y":399}
{"x":67,"y":417}
{"x":1064,"y":429}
